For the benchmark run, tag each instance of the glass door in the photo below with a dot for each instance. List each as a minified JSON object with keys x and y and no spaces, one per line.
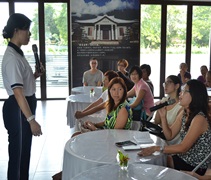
{"x":4,"y":14}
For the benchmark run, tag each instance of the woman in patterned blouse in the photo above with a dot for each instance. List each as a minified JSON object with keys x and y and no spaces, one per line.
{"x":119,"y":113}
{"x":194,"y":126}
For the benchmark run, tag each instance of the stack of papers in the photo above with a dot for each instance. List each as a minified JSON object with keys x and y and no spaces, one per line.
{"x":136,"y":147}
{"x":131,"y":147}
{"x":143,"y":138}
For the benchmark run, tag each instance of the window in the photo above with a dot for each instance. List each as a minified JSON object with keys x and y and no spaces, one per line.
{"x":150,"y":42}
{"x":56,"y":45}
{"x":31,"y":11}
{"x":121,"y":31}
{"x":201,"y":29}
{"x":175,"y":38}
{"x":56,"y":38}
{"x":4,"y":12}
{"x":185,"y":37}
{"x":89,"y":31}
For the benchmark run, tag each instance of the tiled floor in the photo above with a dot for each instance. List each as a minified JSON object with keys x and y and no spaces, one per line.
{"x":47,"y":150}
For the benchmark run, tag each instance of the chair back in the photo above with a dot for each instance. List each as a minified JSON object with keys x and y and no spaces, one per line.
{"x":136,"y":125}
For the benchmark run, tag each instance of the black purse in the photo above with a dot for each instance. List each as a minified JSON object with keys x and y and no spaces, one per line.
{"x":152,"y":128}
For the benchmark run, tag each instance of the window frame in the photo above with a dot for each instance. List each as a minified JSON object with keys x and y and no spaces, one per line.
{"x":41,"y":14}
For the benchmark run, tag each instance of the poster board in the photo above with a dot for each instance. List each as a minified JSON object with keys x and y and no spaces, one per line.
{"x":108,"y":30}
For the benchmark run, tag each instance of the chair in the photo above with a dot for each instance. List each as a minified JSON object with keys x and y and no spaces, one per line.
{"x":135,"y":125}
{"x":208,"y":172}
{"x":199,"y":165}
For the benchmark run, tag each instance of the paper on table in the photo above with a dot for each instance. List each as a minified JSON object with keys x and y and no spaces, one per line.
{"x":137,"y":147}
{"x":143,"y":138}
{"x":131,"y":147}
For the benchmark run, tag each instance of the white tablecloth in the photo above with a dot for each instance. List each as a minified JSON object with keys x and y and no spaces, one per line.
{"x":135,"y":172}
{"x":79,"y":102}
{"x":86,"y":90}
{"x":75,"y":103}
{"x":209,"y":91}
{"x":95,"y":118}
{"x":98,"y":148}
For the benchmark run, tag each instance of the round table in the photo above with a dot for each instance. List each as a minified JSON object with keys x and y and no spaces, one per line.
{"x":86,"y":90}
{"x":134,"y":171}
{"x":79,"y":102}
{"x":98,"y":148}
{"x":75,"y":103}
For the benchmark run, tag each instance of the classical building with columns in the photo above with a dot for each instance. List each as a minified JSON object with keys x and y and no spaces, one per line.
{"x":106,"y":28}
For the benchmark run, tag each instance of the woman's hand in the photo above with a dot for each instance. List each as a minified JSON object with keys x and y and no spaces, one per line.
{"x":147,"y":151}
{"x":35,"y":128}
{"x":89,"y":125}
{"x":42,"y":71}
{"x":162,"y":112}
{"x":193,"y":174}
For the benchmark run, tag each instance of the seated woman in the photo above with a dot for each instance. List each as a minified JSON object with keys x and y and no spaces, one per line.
{"x":203,"y":70}
{"x":100,"y":102}
{"x":146,"y":71}
{"x":119,"y":113}
{"x":142,"y":92}
{"x":171,"y":87}
{"x":184,"y":75}
{"x":122,"y":65}
{"x":194,"y":126}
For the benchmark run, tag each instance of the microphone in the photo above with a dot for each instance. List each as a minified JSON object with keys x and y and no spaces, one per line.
{"x":169,"y":102}
{"x":37,"y":61}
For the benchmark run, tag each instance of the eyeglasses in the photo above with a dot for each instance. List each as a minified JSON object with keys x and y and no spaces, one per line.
{"x":184,"y":91}
{"x":122,"y":65}
{"x":167,"y":83}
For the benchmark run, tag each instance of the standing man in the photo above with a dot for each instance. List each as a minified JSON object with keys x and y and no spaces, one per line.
{"x":93,"y":77}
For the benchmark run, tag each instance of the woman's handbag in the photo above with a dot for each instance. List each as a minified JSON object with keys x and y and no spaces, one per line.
{"x":152,"y":128}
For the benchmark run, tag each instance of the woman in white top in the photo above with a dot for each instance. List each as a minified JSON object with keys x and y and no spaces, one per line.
{"x":172,"y":87}
{"x":19,"y":109}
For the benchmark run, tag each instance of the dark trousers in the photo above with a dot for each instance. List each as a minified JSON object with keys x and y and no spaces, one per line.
{"x":139,"y":115}
{"x":19,"y":137}
{"x":180,"y":164}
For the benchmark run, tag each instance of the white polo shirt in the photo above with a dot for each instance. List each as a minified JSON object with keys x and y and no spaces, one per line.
{"x":17,"y":72}
{"x":104,"y":95}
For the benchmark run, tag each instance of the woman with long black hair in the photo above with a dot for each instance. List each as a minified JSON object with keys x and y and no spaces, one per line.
{"x":194,"y":126}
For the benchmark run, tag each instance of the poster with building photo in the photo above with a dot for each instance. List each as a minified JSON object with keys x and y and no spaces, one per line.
{"x":105,"y":29}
